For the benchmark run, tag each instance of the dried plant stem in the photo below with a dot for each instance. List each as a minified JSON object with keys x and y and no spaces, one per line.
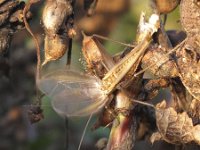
{"x":26,"y":8}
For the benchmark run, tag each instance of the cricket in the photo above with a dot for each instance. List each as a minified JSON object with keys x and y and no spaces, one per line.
{"x":97,"y":74}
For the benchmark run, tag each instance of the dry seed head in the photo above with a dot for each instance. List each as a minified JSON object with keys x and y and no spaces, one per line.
{"x":54,"y":14}
{"x":96,"y":58}
{"x":166,"y":6}
{"x":54,"y":47}
{"x":90,"y":49}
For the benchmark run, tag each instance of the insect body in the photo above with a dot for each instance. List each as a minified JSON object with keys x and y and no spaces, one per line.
{"x":76,"y":94}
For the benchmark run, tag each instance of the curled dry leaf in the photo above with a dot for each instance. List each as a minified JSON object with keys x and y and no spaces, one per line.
{"x":189,"y":54}
{"x":173,"y":127}
{"x":188,"y":60}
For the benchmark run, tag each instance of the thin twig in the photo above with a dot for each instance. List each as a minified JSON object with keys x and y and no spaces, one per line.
{"x":28,"y":28}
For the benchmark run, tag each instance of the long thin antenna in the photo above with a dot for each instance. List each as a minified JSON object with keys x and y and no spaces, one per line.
{"x":84,"y":131}
{"x":114,"y":41}
{"x":143,"y":103}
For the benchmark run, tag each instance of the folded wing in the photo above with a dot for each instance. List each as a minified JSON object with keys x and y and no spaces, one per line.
{"x":73,"y":93}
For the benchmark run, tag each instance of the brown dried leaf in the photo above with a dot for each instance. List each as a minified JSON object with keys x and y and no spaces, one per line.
{"x":189,"y":66}
{"x":181,"y":97}
{"x":173,"y":127}
{"x":195,"y":108}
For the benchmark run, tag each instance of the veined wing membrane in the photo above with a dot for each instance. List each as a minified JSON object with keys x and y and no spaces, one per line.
{"x":73,"y":94}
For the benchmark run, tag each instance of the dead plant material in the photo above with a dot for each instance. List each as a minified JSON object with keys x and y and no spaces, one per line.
{"x":166,"y":6}
{"x":54,"y":15}
{"x":173,"y":127}
{"x":189,"y":55}
{"x":195,"y":110}
{"x":35,"y":114}
{"x":190,"y":16}
{"x":55,"y":47}
{"x":163,"y":67}
{"x":54,"y":18}
{"x":28,"y":28}
{"x":97,"y":59}
{"x":189,"y":60}
{"x":11,"y":14}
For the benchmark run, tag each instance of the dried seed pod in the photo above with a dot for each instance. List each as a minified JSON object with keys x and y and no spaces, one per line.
{"x":55,"y":47}
{"x":173,"y":127}
{"x":97,"y":59}
{"x":190,"y":16}
{"x":54,"y":18}
{"x":55,"y":14}
{"x":166,"y":6}
{"x":162,"y":68}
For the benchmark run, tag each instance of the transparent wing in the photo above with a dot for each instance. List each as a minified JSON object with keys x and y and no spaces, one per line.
{"x":73,"y":94}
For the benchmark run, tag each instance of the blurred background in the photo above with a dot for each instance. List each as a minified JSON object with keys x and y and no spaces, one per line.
{"x":116,"y":19}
